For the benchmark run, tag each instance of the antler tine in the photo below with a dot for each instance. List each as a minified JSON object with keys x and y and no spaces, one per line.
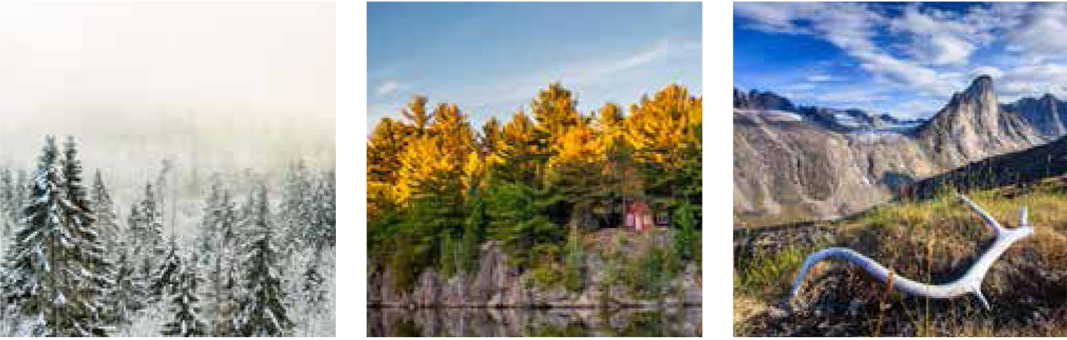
{"x":1023,"y":220}
{"x":969,"y":283}
{"x":989,"y":220}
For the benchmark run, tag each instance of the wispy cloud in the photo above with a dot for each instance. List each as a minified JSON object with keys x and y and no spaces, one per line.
{"x":388,"y":87}
{"x":580,"y":72}
{"x":818,"y":78}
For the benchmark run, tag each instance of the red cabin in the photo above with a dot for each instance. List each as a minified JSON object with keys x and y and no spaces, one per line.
{"x":638,"y":216}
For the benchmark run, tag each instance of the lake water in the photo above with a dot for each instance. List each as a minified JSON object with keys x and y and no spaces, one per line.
{"x":518,"y":322}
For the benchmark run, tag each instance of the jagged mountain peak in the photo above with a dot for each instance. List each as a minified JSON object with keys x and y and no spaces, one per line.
{"x":981,"y":88}
{"x":972,"y":126}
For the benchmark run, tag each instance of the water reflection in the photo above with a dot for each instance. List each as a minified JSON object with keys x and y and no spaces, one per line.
{"x":439,"y":322}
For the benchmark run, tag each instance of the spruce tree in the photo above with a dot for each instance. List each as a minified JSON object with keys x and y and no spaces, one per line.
{"x":106,"y":218}
{"x":51,"y":276}
{"x":185,"y":304}
{"x":313,"y":281}
{"x":130,"y":289}
{"x":165,"y":279}
{"x":146,"y":227}
{"x":220,"y":232}
{"x":263,"y":312}
{"x":324,"y":206}
{"x":90,"y":252}
{"x":295,"y":205}
{"x":8,"y":205}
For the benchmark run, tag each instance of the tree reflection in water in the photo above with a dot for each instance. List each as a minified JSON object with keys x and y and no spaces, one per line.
{"x":569,"y":322}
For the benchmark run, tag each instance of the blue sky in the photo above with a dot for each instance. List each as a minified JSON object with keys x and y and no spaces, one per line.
{"x":492,"y":58}
{"x":904,"y":59}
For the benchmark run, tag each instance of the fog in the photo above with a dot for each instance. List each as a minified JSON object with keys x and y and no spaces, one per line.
{"x":211,"y":86}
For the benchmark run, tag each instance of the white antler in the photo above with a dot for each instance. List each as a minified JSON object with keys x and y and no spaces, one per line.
{"x":970,"y":282}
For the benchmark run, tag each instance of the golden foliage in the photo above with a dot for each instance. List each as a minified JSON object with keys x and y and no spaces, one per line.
{"x":491,"y":135}
{"x":415,"y":112}
{"x":660,"y":129}
{"x":440,"y":151}
{"x":474,"y":172}
{"x":435,"y":161}
{"x":426,"y":165}
{"x":387,"y":140}
{"x":555,"y":111}
{"x":518,"y":143}
{"x":579,"y":146}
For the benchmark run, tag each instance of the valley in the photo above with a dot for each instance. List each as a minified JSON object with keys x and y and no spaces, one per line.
{"x":796,"y":164}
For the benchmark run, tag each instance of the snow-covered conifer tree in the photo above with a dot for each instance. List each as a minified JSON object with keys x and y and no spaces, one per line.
{"x":50,"y":275}
{"x":95,"y":281}
{"x":263,"y":311}
{"x":165,"y":279}
{"x":185,"y":304}
{"x":107,"y":220}
{"x":130,"y":290}
{"x":217,"y":237}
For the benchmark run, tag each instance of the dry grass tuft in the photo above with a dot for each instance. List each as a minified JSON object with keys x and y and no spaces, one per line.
{"x":932,"y":241}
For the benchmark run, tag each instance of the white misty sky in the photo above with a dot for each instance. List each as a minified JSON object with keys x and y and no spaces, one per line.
{"x":214,"y":84}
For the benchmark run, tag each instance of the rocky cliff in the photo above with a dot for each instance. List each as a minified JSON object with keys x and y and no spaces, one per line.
{"x":496,"y":283}
{"x":791,"y":166}
{"x":972,"y":127}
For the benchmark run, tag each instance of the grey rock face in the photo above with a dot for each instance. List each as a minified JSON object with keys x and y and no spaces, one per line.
{"x":972,"y":127}
{"x":497,"y":284}
{"x":1047,"y":115}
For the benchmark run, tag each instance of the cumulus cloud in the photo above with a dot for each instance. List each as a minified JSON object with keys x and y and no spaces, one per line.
{"x":1042,"y":33}
{"x":852,"y":27}
{"x":987,"y":70}
{"x":931,"y":53}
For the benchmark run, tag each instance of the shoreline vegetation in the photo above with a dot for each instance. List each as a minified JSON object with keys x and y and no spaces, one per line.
{"x":539,"y":210}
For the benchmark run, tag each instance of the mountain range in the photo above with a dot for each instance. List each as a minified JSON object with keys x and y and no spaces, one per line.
{"x":794,"y":163}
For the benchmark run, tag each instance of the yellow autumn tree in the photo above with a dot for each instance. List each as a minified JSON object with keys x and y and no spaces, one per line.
{"x":555,"y":110}
{"x":474,"y":173}
{"x":491,"y":136}
{"x":659,"y":129}
{"x":434,"y":162}
{"x":415,"y":113}
{"x":387,"y":143}
{"x":577,"y":169}
{"x":577,"y":146}
{"x":609,"y":118}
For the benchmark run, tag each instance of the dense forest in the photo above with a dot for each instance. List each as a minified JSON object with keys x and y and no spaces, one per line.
{"x":73,"y":265}
{"x":439,"y":187}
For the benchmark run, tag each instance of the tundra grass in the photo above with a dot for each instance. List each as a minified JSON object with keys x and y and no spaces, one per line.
{"x":932,"y":241}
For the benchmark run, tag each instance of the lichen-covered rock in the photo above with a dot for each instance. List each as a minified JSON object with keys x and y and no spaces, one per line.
{"x":427,"y":289}
{"x":498,"y":284}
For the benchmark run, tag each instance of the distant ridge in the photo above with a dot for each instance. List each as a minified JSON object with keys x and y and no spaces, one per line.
{"x":822,"y":163}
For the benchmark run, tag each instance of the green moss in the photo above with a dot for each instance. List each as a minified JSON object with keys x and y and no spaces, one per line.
{"x":646,"y":275}
{"x":573,"y":278}
{"x":545,"y":276}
